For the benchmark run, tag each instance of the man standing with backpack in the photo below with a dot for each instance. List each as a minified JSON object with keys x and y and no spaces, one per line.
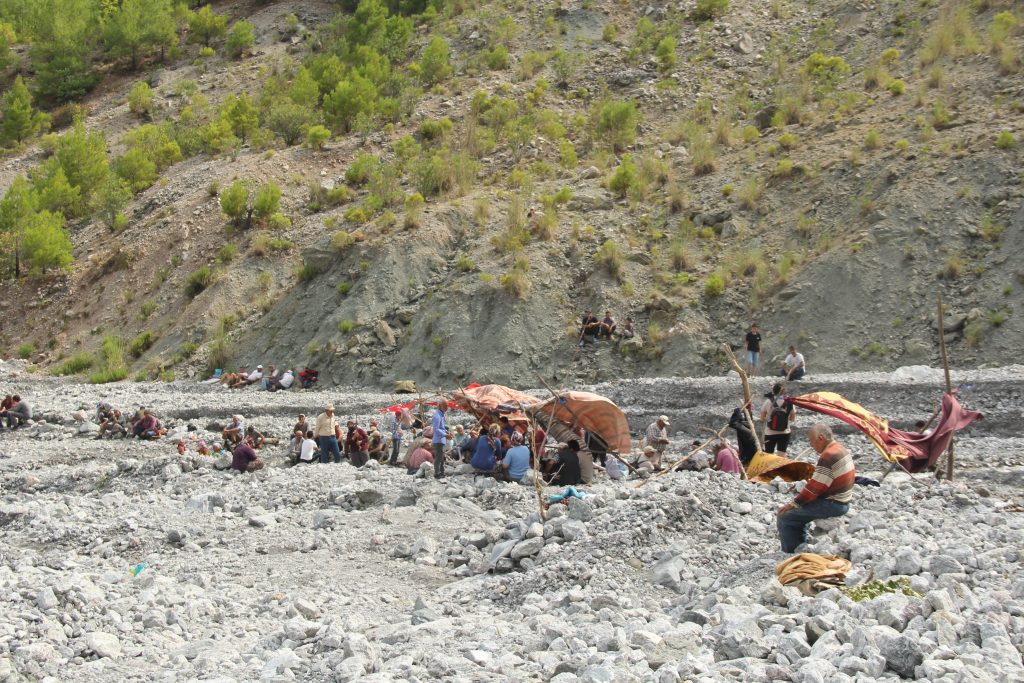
{"x":778,"y":417}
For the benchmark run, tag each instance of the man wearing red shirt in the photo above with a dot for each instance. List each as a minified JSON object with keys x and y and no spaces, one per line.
{"x":357,"y":444}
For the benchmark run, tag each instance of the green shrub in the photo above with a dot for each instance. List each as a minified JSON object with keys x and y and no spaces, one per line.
{"x":201,"y":278}
{"x":344,"y":288}
{"x":714,"y":286}
{"x":610,"y":256}
{"x":436,"y":129}
{"x":827,"y":72}
{"x":317,"y":136}
{"x":873,"y":140}
{"x":140,"y":99}
{"x":609,"y":33}
{"x":142,"y":343}
{"x":77,"y":364}
{"x":897,"y":87}
{"x":1005,"y":140}
{"x":497,"y":59}
{"x":750,"y":133}
{"x":227,"y":253}
{"x":108,"y":375}
{"x":26,"y":350}
{"x":464,"y":263}
{"x":361,"y":168}
{"x":341,"y":241}
{"x":624,"y":177}
{"x":616,"y":123}
{"x":666,"y":54}
{"x":750,"y":194}
{"x":517,"y":281}
{"x":345,"y":326}
{"x":435,"y":66}
{"x":304,"y":272}
{"x":706,"y":10}
{"x":783,"y":169}
{"x":267,"y":201}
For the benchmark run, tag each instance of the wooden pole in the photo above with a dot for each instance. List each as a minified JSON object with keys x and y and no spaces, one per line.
{"x":717,"y":437}
{"x":949,"y":384}
{"x":747,"y":400}
{"x":577,"y":417}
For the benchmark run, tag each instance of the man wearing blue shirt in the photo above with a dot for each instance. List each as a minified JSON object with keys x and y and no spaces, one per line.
{"x":439,"y":438}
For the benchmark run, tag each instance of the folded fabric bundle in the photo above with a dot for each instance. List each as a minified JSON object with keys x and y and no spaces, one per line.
{"x":809,"y":566}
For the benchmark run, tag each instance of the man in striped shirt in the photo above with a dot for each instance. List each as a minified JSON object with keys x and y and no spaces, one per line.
{"x":826,"y":494}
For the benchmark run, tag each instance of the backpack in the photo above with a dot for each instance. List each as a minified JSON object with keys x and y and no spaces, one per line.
{"x":778,"y":419}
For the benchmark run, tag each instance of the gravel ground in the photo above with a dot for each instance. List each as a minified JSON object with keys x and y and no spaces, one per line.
{"x":329,"y":573}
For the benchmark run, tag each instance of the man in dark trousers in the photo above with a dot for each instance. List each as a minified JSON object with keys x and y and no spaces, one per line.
{"x":357,"y":444}
{"x":752,"y":345}
{"x":566,"y":466}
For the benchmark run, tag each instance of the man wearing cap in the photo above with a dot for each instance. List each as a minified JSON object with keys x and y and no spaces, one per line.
{"x":234,"y":432}
{"x":439,"y":438}
{"x":326,"y":435}
{"x":657,"y":438}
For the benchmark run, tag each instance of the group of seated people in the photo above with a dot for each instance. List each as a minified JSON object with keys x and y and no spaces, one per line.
{"x":114,"y":424}
{"x":606,"y":328}
{"x":273,"y":379}
{"x":14,"y":412}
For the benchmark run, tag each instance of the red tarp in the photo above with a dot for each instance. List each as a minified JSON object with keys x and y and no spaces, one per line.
{"x":914,"y":452}
{"x":409,"y":406}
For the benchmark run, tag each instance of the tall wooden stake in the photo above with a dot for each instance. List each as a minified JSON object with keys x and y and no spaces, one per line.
{"x":949,"y":384}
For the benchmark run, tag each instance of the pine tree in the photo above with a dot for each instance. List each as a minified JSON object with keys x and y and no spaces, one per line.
{"x":16,"y":207}
{"x":18,"y":122}
{"x":52,"y":190}
{"x":304,"y":89}
{"x":435,"y":67}
{"x":45,"y":243}
{"x":83,"y":156}
{"x":240,"y":40}
{"x":205,"y":26}
{"x":242,"y":115}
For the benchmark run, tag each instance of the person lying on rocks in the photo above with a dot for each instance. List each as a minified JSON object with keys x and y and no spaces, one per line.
{"x":516,"y":462}
{"x":148,"y":428}
{"x":244,"y":458}
{"x":235,"y":430}
{"x":229,"y":378}
{"x":255,"y":437}
{"x":726,"y":459}
{"x":357,"y":444}
{"x":488,"y":451}
{"x":420,"y":455}
{"x":564,"y":470}
{"x":252,"y":378}
{"x":826,"y":494}
{"x":114,"y":426}
{"x":282,"y":382}
{"x":19,"y":413}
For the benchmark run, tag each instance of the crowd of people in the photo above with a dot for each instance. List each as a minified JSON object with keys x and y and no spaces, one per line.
{"x":274,"y":379}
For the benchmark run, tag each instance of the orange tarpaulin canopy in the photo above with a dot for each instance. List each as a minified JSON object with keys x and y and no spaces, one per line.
{"x":595,"y":413}
{"x":492,"y":399}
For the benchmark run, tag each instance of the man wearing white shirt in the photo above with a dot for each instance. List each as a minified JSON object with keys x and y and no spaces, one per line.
{"x":308,"y":450}
{"x":793,"y":367}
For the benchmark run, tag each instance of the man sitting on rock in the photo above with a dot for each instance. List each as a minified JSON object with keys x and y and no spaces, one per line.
{"x":235,"y":430}
{"x":376,"y":450}
{"x":419,"y":456}
{"x":308,"y":377}
{"x":113,"y":426}
{"x":148,"y":428}
{"x":794,"y":367}
{"x":590,"y":326}
{"x":608,"y":326}
{"x":245,"y":459}
{"x":19,"y":413}
{"x":309,"y":448}
{"x":826,"y":494}
{"x":566,"y":467}
{"x":255,"y":437}
{"x":282,"y":382}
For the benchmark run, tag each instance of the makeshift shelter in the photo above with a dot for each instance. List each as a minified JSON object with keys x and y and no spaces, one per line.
{"x":914,"y":452}
{"x":492,"y":400}
{"x":596,"y":414}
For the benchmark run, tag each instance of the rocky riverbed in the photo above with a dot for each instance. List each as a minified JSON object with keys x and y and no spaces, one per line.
{"x":126,"y":561}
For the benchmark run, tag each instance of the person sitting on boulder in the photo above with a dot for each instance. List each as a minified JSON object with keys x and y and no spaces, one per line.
{"x":726,"y":459}
{"x":281,"y":382}
{"x":488,"y":451}
{"x":608,"y":326}
{"x":590,"y":326}
{"x":235,"y":430}
{"x":19,"y":413}
{"x":255,"y":437}
{"x":376,"y":450}
{"x":794,"y":367}
{"x":113,"y":426}
{"x":420,"y":455}
{"x":148,"y":428}
{"x":301,"y":425}
{"x":295,"y":446}
{"x":565,"y":469}
{"x":516,"y":462}
{"x":244,"y":458}
{"x":646,"y":463}
{"x":308,"y":377}
{"x":627,"y":331}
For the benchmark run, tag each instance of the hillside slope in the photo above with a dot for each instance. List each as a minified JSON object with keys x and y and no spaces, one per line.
{"x":757,"y":188}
